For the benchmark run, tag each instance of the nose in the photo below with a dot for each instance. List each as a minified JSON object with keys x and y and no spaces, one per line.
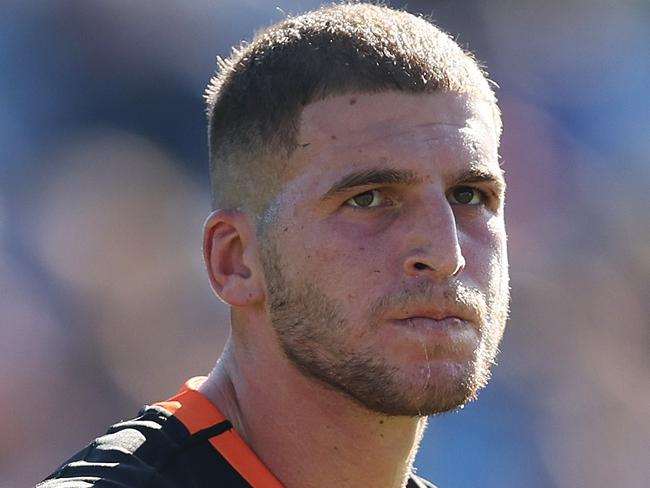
{"x":434,"y":248}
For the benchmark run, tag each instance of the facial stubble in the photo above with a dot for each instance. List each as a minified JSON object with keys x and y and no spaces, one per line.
{"x":315,"y":337}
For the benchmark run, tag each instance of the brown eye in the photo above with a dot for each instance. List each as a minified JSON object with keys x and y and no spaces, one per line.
{"x":368,"y":199}
{"x":466,"y":195}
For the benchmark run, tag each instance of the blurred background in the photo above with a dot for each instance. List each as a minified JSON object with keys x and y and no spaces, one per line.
{"x":104,"y":303}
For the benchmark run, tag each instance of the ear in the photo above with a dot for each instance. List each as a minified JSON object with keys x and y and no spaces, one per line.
{"x":230,"y":253}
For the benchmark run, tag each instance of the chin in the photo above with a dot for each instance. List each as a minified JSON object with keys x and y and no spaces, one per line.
{"x":431,"y":389}
{"x":441,"y":386}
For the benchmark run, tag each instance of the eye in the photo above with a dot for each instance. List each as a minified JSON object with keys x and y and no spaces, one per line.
{"x":466,"y":195}
{"x":367,"y":199}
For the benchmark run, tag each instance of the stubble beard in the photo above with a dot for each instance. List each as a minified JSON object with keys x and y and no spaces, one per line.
{"x":312,"y":333}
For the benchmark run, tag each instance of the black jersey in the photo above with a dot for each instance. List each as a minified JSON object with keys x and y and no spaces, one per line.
{"x":184,"y":442}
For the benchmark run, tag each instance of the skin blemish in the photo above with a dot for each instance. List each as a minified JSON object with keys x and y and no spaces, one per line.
{"x":353,"y":101}
{"x":333,"y":137}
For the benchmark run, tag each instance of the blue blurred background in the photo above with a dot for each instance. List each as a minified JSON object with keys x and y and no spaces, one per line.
{"x":104,"y":303}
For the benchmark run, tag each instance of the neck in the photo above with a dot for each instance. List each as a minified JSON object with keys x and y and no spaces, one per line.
{"x":294,"y":423}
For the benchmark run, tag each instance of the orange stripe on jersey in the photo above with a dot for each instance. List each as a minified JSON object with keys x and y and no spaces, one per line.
{"x":196,"y":412}
{"x":243,"y":459}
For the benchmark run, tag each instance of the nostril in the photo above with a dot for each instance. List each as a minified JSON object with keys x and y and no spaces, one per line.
{"x":421,"y":266}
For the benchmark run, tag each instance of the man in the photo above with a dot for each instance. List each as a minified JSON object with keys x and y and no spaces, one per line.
{"x":358,"y":237}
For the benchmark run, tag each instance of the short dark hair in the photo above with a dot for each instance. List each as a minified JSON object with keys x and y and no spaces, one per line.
{"x":256,"y":98}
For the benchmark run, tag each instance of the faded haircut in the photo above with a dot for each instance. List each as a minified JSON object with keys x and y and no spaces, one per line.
{"x":255,"y":100}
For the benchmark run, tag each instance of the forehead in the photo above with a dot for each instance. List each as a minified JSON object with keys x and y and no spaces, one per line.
{"x":429,"y":134}
{"x":368,"y":112}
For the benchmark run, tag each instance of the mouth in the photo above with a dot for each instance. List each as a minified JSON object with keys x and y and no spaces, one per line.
{"x":435,"y":315}
{"x":447,"y":319}
{"x":441,"y":325}
{"x":449,"y":333}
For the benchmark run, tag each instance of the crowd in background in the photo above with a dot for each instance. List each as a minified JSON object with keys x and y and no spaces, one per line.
{"x":104,"y":302}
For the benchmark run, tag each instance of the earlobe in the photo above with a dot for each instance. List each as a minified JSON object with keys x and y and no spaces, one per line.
{"x":230,"y":257}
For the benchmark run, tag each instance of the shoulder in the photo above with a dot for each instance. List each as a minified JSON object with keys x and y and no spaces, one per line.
{"x":129,"y":454}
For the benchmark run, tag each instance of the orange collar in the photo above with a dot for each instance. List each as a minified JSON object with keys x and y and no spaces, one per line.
{"x":196,"y":413}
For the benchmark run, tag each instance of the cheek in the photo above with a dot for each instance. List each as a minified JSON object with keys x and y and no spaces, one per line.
{"x":345,"y":265}
{"x":485,"y":251}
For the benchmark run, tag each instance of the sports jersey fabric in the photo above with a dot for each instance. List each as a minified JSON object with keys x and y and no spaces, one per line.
{"x":184,"y":442}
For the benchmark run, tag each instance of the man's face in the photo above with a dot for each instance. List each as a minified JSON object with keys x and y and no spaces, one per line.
{"x":385,"y":260}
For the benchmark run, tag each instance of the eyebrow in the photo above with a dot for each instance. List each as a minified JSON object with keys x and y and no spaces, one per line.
{"x":481,"y":175}
{"x":405,"y":177}
{"x":372,"y":177}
